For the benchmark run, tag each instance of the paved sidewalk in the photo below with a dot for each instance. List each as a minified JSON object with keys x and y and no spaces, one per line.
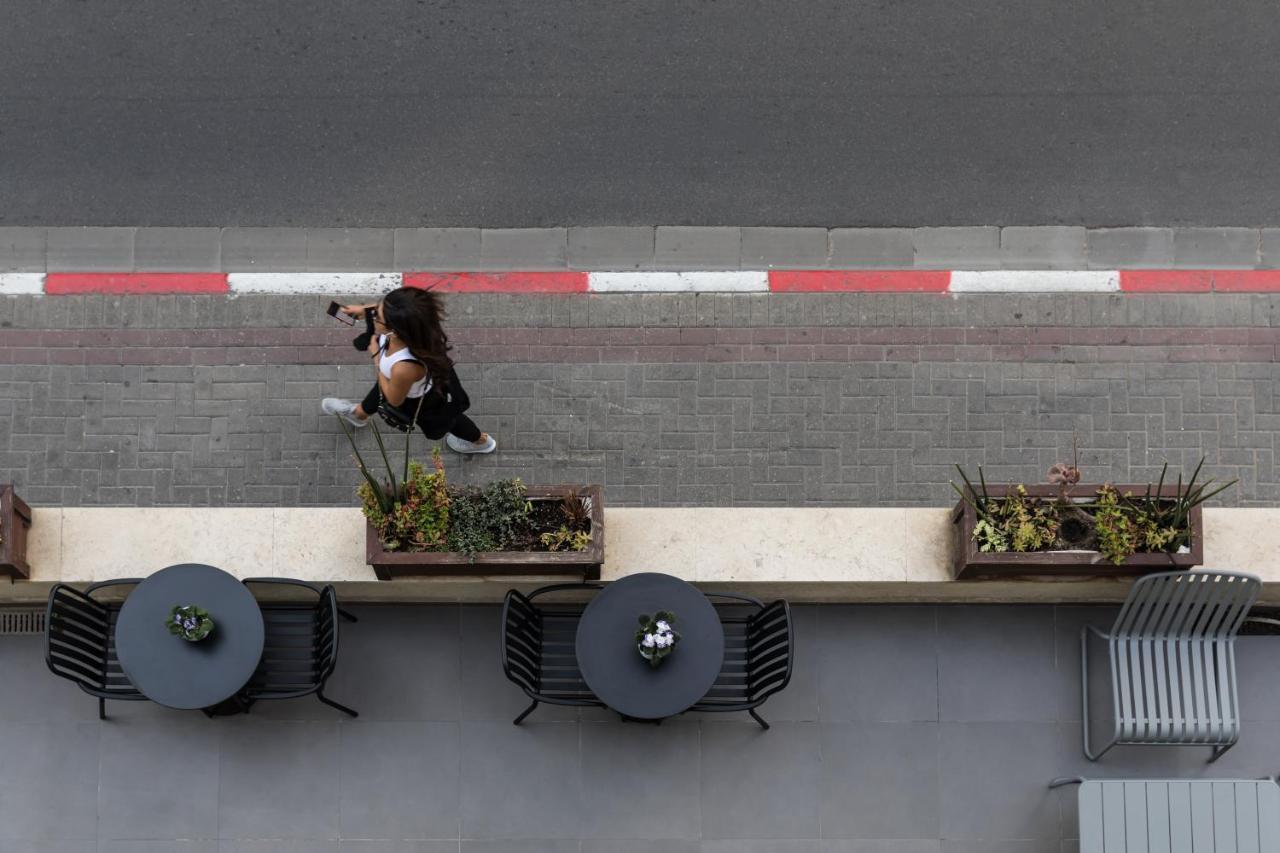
{"x":674,"y":399}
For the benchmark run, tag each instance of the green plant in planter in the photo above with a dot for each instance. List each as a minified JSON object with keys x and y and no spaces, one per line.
{"x":565,"y":539}
{"x":189,"y":622}
{"x":419,"y":518}
{"x":488,"y":517}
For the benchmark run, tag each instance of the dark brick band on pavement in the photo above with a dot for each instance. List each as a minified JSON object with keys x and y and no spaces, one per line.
{"x":667,"y":400}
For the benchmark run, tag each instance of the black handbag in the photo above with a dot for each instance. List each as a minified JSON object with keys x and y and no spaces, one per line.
{"x":398,"y":418}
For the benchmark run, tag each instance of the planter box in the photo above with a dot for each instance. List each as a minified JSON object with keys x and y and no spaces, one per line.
{"x":15,"y":519}
{"x":969,"y":562}
{"x":583,"y":564}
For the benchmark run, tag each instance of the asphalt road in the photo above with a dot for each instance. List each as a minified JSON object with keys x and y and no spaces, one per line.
{"x":554,"y":112}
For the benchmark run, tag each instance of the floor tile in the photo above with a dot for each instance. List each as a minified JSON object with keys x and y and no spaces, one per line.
{"x":1068,"y":622}
{"x":760,"y":784}
{"x":757,"y":845}
{"x":80,"y":846}
{"x":878,"y":663}
{"x":372,"y":846}
{"x":44,"y":697}
{"x":48,"y":780}
{"x":524,"y":845}
{"x":995,"y":780}
{"x":158,"y":780}
{"x":399,"y":663}
{"x":486,"y":694}
{"x":997,"y":663}
{"x":279,"y":780}
{"x":399,"y":779}
{"x":278,"y":845}
{"x":168,"y":845}
{"x":1039,"y":845}
{"x":520,"y":781}
{"x":899,"y":799}
{"x":640,"y":780}
{"x":1258,"y":686}
{"x":626,"y":845}
{"x":882,"y":845}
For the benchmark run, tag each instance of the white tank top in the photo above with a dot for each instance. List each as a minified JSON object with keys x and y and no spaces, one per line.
{"x":387,"y":362}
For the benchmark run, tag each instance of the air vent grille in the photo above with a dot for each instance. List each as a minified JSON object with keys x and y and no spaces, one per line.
{"x":14,"y":621}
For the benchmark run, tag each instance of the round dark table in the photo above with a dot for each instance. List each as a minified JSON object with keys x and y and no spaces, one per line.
{"x":176,"y":673}
{"x":613,"y":668}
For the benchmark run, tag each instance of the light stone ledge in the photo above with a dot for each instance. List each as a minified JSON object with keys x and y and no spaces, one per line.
{"x":846,"y":554}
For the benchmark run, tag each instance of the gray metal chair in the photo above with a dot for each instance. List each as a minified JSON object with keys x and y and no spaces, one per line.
{"x":1168,"y":815}
{"x":1172,"y":658}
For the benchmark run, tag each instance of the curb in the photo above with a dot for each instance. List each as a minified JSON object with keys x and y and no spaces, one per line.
{"x":731,"y":281}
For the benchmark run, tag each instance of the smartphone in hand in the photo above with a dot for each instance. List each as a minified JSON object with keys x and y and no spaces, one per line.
{"x":335,"y":311}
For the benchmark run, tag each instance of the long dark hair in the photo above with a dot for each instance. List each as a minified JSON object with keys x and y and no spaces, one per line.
{"x":416,"y":315}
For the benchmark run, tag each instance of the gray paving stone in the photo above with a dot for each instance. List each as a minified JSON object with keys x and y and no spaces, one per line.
{"x":1129,"y":248}
{"x":264,"y":250}
{"x":436,"y":249}
{"x":698,"y":248}
{"x":1216,"y":248}
{"x":350,"y":249}
{"x":1049,"y":247}
{"x":784,"y":248}
{"x":523,"y":249}
{"x":611,"y":248}
{"x":1270,"y":248}
{"x":22,"y":249}
{"x":872,"y":248}
{"x":90,"y":249}
{"x":964,"y":248}
{"x":178,"y":250}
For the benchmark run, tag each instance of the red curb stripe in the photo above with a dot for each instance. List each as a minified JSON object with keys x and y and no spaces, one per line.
{"x":140,"y":282}
{"x":499,"y":282}
{"x":863,"y":281}
{"x":1166,"y":281}
{"x":1246,"y":281}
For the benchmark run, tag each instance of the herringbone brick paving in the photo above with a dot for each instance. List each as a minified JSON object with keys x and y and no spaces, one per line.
{"x":685,"y":432}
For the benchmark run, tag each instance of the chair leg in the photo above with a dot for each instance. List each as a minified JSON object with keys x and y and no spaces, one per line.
{"x":759,"y":719}
{"x":332,"y":704}
{"x":1219,"y":751}
{"x":347,"y":615}
{"x":526,"y":712}
{"x":102,"y":708}
{"x":1084,"y":698}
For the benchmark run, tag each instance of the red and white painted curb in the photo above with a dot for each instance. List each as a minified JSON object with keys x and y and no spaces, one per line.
{"x":733,"y":281}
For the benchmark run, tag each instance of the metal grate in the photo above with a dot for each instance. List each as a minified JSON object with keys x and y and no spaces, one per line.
{"x":13,"y":621}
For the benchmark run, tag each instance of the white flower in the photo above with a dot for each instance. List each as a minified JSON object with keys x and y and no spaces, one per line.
{"x":662,"y":641}
{"x":663,"y":627}
{"x":648,"y":641}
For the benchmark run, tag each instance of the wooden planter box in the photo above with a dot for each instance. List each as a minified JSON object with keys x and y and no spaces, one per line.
{"x":970,"y":563}
{"x":583,"y":564}
{"x":15,"y":519}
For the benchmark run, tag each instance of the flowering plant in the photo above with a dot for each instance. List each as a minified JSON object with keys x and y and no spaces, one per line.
{"x":655,"y":639}
{"x":189,"y":622}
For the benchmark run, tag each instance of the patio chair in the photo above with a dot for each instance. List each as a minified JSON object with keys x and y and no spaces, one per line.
{"x":80,"y":642}
{"x":538,"y":649}
{"x":1166,"y":815}
{"x":758,"y":652}
{"x":301,"y":645}
{"x":1172,"y":660}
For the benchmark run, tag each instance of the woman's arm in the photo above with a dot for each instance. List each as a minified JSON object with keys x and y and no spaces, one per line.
{"x":356,"y":311}
{"x":403,"y":375}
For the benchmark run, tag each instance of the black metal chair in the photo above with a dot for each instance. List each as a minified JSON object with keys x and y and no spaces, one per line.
{"x":301,"y":645}
{"x":538,"y":649}
{"x":80,"y":642}
{"x":758,"y":651}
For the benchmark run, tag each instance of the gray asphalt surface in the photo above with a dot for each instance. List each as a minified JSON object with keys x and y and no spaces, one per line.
{"x":553,"y":112}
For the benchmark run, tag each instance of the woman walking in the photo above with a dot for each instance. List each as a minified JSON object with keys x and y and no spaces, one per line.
{"x":416,"y":381}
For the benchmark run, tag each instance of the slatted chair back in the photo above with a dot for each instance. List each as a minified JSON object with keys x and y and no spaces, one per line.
{"x":80,"y":644}
{"x":539,"y":652}
{"x":1173,"y":657}
{"x":300,"y":646}
{"x":758,"y":656}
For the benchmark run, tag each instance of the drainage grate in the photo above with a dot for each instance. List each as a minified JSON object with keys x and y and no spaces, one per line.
{"x":21,"y":621}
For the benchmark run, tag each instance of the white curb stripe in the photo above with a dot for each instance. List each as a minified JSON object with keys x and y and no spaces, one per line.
{"x":737,"y":281}
{"x":21,"y":283}
{"x":1034,"y":281}
{"x":354,"y":283}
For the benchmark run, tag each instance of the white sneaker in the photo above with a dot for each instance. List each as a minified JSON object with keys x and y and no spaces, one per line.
{"x":344,"y":409}
{"x":459,"y":445}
